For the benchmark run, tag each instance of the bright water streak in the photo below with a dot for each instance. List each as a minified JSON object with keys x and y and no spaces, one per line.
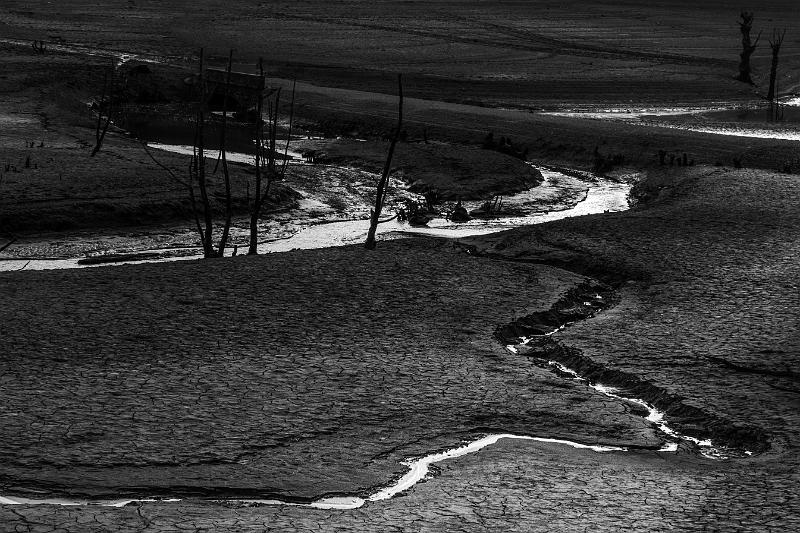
{"x":605,"y":196}
{"x":418,"y":470}
{"x":602,"y":196}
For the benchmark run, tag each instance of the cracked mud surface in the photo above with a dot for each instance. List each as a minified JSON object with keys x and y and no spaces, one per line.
{"x":298,"y":374}
{"x":713,"y":313}
{"x":510,"y":486}
{"x":102,"y":388}
{"x":693,"y":304}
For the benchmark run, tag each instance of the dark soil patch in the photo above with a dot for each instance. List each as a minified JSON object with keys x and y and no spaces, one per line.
{"x":453,"y":171}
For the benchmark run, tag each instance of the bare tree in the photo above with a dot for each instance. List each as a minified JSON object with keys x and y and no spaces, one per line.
{"x":775,"y":44}
{"x":748,"y":47}
{"x":267,"y":167}
{"x":380,"y":193}
{"x":202,"y":210}
{"x":226,"y":229}
{"x":105,"y":108}
{"x":186,"y":183}
{"x":197,"y":168}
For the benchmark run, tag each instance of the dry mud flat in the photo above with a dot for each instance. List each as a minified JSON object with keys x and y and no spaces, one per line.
{"x":286,"y":394}
{"x":505,"y":51}
{"x":293,"y":374}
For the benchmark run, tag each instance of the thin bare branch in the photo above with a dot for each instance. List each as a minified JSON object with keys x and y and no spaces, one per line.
{"x":289,"y":136}
{"x":384,"y":180}
{"x":186,"y":184}
{"x":9,"y":243}
{"x":223,"y":150}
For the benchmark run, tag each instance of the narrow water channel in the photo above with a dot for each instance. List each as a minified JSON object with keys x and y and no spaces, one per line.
{"x":314,"y":225}
{"x":598,"y":196}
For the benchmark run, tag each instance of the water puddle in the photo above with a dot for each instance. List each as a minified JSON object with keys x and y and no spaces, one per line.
{"x":735,"y":130}
{"x":233,"y":157}
{"x":68,"y":502}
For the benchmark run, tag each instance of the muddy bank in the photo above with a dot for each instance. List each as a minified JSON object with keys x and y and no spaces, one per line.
{"x":452,"y":171}
{"x":535,"y":336}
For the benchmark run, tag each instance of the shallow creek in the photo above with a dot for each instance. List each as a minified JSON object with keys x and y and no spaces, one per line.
{"x":315,"y":224}
{"x":574,"y":196}
{"x":559,"y":196}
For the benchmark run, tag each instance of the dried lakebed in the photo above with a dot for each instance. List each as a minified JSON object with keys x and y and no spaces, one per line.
{"x":533,"y":336}
{"x":527,"y":334}
{"x":524,"y":337}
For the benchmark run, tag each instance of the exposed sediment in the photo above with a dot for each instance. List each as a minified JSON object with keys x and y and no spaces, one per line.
{"x":534,"y":336}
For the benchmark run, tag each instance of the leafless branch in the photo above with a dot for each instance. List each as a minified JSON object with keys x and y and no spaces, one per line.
{"x":384,"y":180}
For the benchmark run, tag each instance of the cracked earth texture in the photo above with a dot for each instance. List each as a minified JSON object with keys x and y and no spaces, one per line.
{"x":710,"y":315}
{"x":512,"y":486}
{"x":299,"y":374}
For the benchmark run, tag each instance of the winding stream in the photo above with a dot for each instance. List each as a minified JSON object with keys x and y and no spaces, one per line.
{"x":558,"y":196}
{"x":530,"y":207}
{"x":601,"y":196}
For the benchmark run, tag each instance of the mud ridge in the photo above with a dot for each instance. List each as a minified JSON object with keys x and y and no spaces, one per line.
{"x":39,"y":490}
{"x":535,"y":331}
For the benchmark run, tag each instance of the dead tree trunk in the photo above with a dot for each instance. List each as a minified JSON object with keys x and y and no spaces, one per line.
{"x":775,"y":44}
{"x":11,"y":241}
{"x":202,"y":211}
{"x":199,"y":164}
{"x":748,"y":47}
{"x":223,"y":154}
{"x":387,"y":167}
{"x":105,"y":106}
{"x":267,"y":168}
{"x":255,"y":208}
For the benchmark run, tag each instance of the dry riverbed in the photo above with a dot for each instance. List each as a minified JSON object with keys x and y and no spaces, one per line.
{"x":326,"y":373}
{"x":300,"y":374}
{"x":272,"y":407}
